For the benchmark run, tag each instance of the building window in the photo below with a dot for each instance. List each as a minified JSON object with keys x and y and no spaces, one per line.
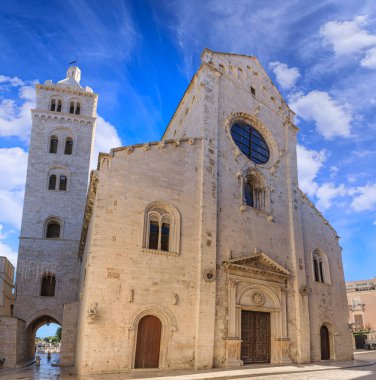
{"x":78,"y":108}
{"x":153,"y":234}
{"x":68,"y":146}
{"x":255,"y":193}
{"x":53,"y":144}
{"x":253,"y":91}
{"x":71,"y":107}
{"x":75,"y":107}
{"x":321,"y":271}
{"x":250,"y":142}
{"x":162,"y":228}
{"x":52,"y":182}
{"x":63,"y":183}
{"x":53,"y":105}
{"x":358,"y":321}
{"x":48,"y":286}
{"x":53,"y":230}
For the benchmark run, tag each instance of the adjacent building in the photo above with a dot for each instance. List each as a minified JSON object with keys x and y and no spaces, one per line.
{"x":361,"y":297}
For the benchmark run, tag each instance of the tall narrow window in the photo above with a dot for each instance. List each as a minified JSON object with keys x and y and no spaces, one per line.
{"x":165,"y":236}
{"x":53,"y":230}
{"x":321,"y":270}
{"x":248,"y":194}
{"x":254,"y":194}
{"x":316,"y":269}
{"x":59,"y":106}
{"x":162,"y":228}
{"x":63,"y":183}
{"x":53,"y":144}
{"x":68,"y":146}
{"x":53,"y":105}
{"x":52,"y":182}
{"x":48,"y":286}
{"x":153,"y":235}
{"x":71,"y":107}
{"x":78,"y":108}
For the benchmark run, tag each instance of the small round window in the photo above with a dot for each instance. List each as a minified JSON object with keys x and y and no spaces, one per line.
{"x":250,"y":142}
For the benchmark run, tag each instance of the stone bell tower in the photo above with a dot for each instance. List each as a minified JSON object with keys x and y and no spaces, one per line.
{"x":62,"y":134}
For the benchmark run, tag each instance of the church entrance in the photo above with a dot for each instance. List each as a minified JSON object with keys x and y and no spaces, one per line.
{"x":148,"y":342}
{"x":324,"y":337}
{"x":255,"y":335}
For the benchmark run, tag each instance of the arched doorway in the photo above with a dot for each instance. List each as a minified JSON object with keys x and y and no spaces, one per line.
{"x":324,"y":338}
{"x":31,"y":330}
{"x":148,"y":342}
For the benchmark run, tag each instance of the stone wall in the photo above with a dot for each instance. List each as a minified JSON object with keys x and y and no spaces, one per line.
{"x":11,"y":341}
{"x":69,"y":333}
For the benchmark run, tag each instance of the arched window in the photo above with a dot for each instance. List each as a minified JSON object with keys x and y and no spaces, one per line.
{"x":52,"y":182}
{"x":78,"y":108}
{"x":53,"y":229}
{"x":53,"y":144}
{"x":254,"y":192}
{"x":320,"y":262}
{"x":59,"y":106}
{"x":63,"y":183}
{"x":162,"y":228}
{"x":71,"y":107}
{"x":48,"y":285}
{"x":53,"y":105}
{"x":68,"y":145}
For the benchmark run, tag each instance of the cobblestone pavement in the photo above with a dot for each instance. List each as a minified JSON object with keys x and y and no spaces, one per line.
{"x":362,"y":368}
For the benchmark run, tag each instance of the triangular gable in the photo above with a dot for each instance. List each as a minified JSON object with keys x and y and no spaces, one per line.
{"x":259,"y":262}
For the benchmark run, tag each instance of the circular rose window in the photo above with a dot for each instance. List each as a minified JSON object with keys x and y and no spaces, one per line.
{"x":250,"y":142}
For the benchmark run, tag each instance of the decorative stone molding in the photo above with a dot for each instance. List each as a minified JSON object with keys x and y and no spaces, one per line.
{"x":303,"y":290}
{"x":104,"y":161}
{"x":92,"y":312}
{"x":209,"y":275}
{"x":174,"y":299}
{"x":166,"y":316}
{"x":258,"y":298}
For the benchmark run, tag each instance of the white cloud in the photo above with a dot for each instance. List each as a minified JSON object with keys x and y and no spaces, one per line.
{"x":327,"y":192}
{"x":8,"y":252}
{"x":309,"y":164}
{"x":106,"y":137}
{"x":348,"y":37}
{"x":13,"y":81}
{"x":15,"y":117}
{"x":364,"y":198}
{"x":370,"y":59}
{"x":13,"y":164}
{"x":331,"y":118}
{"x":286,"y":77}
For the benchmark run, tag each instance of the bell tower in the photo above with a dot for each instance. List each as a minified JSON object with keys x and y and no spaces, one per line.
{"x":62,"y":134}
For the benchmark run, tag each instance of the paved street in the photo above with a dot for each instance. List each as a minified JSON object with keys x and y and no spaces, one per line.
{"x":362,"y":368}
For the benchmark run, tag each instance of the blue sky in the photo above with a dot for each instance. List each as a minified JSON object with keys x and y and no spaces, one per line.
{"x":139,"y":56}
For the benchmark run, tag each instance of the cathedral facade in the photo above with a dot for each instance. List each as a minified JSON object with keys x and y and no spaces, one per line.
{"x":199,"y":250}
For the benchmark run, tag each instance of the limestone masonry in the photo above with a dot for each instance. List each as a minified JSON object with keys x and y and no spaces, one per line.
{"x":196,"y":251}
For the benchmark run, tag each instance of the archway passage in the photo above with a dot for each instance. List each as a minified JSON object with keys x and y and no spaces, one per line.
{"x":30,"y":334}
{"x":324,"y":337}
{"x":148,"y":342}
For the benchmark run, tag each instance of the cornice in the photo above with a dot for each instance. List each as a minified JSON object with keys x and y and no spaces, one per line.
{"x":62,"y":117}
{"x":66,"y":90}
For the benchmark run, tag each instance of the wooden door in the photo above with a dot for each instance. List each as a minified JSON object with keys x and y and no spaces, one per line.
{"x":324,"y":337}
{"x":148,"y":342}
{"x":255,"y":347}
